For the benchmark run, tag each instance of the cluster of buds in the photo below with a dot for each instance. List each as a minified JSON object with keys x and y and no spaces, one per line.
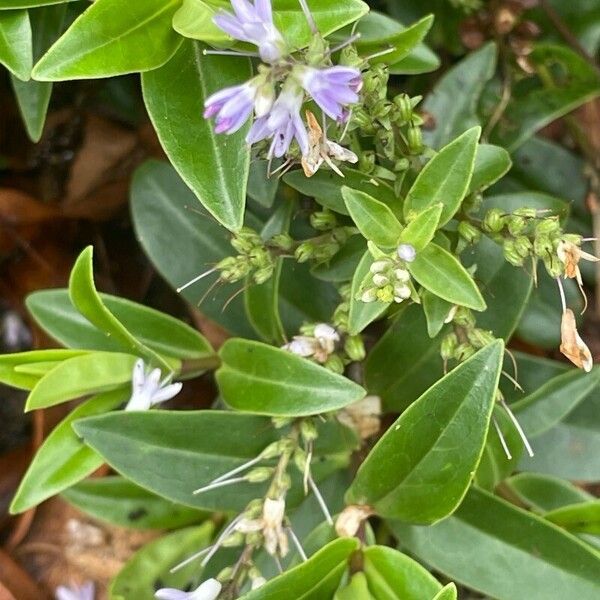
{"x":465,"y":339}
{"x":389,"y":280}
{"x":323,"y":248}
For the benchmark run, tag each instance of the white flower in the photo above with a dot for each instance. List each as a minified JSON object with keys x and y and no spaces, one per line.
{"x":208,"y":590}
{"x":75,"y":592}
{"x":148,"y":390}
{"x":301,"y":346}
{"x":271,"y":526}
{"x":407,"y":252}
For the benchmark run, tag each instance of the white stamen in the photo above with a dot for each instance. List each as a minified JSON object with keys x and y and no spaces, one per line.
{"x":309,"y":16}
{"x":518,"y":428}
{"x":502,"y":440}
{"x":231,"y":53}
{"x":220,"y":539}
{"x":237,"y":470}
{"x":190,"y":559}
{"x":297,"y":543}
{"x":320,"y":499}
{"x":513,"y":381}
{"x":349,"y":41}
{"x":562,"y":294}
{"x":219,"y":484}
{"x":191,"y":282}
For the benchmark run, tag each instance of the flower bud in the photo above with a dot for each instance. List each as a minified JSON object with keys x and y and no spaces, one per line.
{"x":401,"y":292}
{"x":480,"y":338}
{"x":263,"y":275}
{"x":224,"y":575}
{"x":323,"y":220}
{"x":402,"y":275}
{"x":234,"y":540}
{"x":523,"y":246}
{"x":401,"y":165}
{"x":380,"y":280}
{"x":304,"y":252}
{"x":542,"y":246}
{"x":553,"y":266}
{"x":464,"y":317}
{"x":516,"y":225}
{"x":406,"y":252}
{"x":282,"y":240}
{"x":494,"y":220}
{"x":511,"y":254}
{"x":259,"y":474}
{"x":308,"y":430}
{"x":300,"y":459}
{"x":334,"y":363}
{"x":265,"y":96}
{"x":464,"y":351}
{"x":355,"y":348}
{"x":368,"y":295}
{"x":366,"y":161}
{"x":414,"y":137}
{"x":548,"y":226}
{"x":402,"y":101}
{"x":469,"y":232}
{"x":448,"y":346}
{"x":527,"y":213}
{"x":380,"y":265}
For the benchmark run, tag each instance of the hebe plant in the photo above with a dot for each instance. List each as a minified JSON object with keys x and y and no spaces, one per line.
{"x":371,"y":437}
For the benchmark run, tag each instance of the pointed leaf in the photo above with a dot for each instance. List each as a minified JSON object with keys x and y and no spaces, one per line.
{"x":491,"y":164}
{"x":422,"y":467}
{"x":265,"y":380}
{"x":420,"y":230}
{"x":15,"y":43}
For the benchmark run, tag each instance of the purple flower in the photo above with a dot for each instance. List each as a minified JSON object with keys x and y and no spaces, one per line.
{"x":231,"y":106}
{"x":332,"y":89}
{"x":83,"y":592}
{"x":253,"y":23}
{"x":208,"y":590}
{"x":283,"y":123}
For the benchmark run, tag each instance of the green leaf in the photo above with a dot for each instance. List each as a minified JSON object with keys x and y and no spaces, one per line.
{"x":344,"y":264}
{"x":106,"y":40}
{"x":420,"y":230}
{"x":544,"y":494}
{"x":506,"y":289}
{"x":448,"y":592}
{"x":436,"y":312}
{"x":453,"y":103}
{"x":392,"y":575}
{"x":265,"y":380}
{"x":362,"y":313}
{"x":167,"y":230}
{"x":151,"y":565}
{"x":119,"y":502}
{"x":445,"y":178}
{"x":442,"y":274}
{"x":15,"y":43}
{"x":88,"y":302}
{"x":63,"y":459}
{"x":540,"y":411}
{"x":357,"y":589}
{"x":504,"y":552}
{"x":30,"y":3}
{"x":261,"y":187}
{"x":9,"y":363}
{"x":491,"y":164}
{"x":420,"y":60}
{"x":325,"y":187}
{"x":566,"y":81}
{"x":578,"y":518}
{"x":54,"y":313}
{"x":405,"y":343}
{"x":33,"y":97}
{"x":421,"y":468}
{"x":375,"y":38}
{"x":79,"y":376}
{"x":318,"y":577}
{"x":375,"y":220}
{"x":194,"y":19}
{"x":174,"y":96}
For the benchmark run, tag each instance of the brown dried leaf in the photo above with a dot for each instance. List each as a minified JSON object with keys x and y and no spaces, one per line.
{"x":572,"y":346}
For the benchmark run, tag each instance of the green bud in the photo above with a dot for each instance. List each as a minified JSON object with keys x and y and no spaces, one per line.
{"x":464,"y":351}
{"x":355,"y":348}
{"x":480,"y":338}
{"x":542,"y":246}
{"x":259,"y":474}
{"x":363,"y":120}
{"x":405,"y":107}
{"x":448,"y":346}
{"x":469,"y":232}
{"x":308,"y":430}
{"x":225,"y":574}
{"x":305,"y":251}
{"x":464,"y":317}
{"x":279,"y":422}
{"x":379,"y":266}
{"x":401,"y":165}
{"x":511,"y":254}
{"x":234,"y":540}
{"x":548,"y":226}
{"x":349,"y":57}
{"x":300,"y":459}
{"x":381,"y":109}
{"x":385,"y":140}
{"x":334,"y":363}
{"x":316,"y":51}
{"x":494,"y":220}
{"x":386,"y":294}
{"x":523,"y":246}
{"x":553,"y":266}
{"x":323,"y":220}
{"x":380,"y":280}
{"x":263,"y":275}
{"x":516,"y":225}
{"x":325,"y":252}
{"x":527,"y":213}
{"x":573,"y":238}
{"x":366,"y":161}
{"x":282,"y":240}
{"x":254,"y":538}
{"x":414,"y":138}
{"x":368,"y":295}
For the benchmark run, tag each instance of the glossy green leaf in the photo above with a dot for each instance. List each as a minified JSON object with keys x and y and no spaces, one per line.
{"x":405,"y":343}
{"x":392,"y":575}
{"x":88,"y":302}
{"x":436,"y":312}
{"x":174,"y":453}
{"x":82,"y":375}
{"x":318,"y":577}
{"x":566,"y":81}
{"x":375,"y":38}
{"x":326,"y":187}
{"x":33,"y":97}
{"x":63,"y":459}
{"x":53,"y":311}
{"x":15,"y":43}
{"x":491,"y":164}
{"x":30,"y":3}
{"x":151,"y":565}
{"x":442,"y":274}
{"x":421,"y":468}
{"x":506,"y":289}
{"x":168,"y":230}
{"x":421,"y":229}
{"x":504,"y":552}
{"x":9,"y":363}
{"x":194,"y":19}
{"x":174,"y":96}
{"x":420,"y":60}
{"x":357,"y":589}
{"x":119,"y":502}
{"x":375,"y":220}
{"x":261,"y":187}
{"x":540,"y":411}
{"x":362,"y":313}
{"x":453,"y":102}
{"x":106,"y":40}
{"x":578,"y":518}
{"x":543,"y":493}
{"x":265,"y":380}
{"x":448,"y":592}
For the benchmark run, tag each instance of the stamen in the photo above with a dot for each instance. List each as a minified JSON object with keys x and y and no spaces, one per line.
{"x":309,"y":16}
{"x":237,"y":470}
{"x":349,"y":41}
{"x":502,"y":440}
{"x":590,"y":239}
{"x":219,"y":484}
{"x":231,"y":53}
{"x":513,"y":381}
{"x":320,"y":499}
{"x":190,"y":559}
{"x":518,"y":428}
{"x":514,"y":364}
{"x":221,"y":539}
{"x":307,"y":467}
{"x":297,"y":543}
{"x":278,"y":563}
{"x":378,"y":54}
{"x":196,"y":279}
{"x":234,"y":296}
{"x":562,"y":294}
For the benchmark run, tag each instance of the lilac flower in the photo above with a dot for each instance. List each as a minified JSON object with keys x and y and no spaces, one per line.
{"x":253,"y":23}
{"x":232,"y":107}
{"x":283,"y":123}
{"x":208,"y":590}
{"x":148,"y":390}
{"x":332,"y":88}
{"x":75,"y":592}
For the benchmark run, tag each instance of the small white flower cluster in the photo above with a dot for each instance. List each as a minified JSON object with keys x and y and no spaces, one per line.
{"x":320,"y":345}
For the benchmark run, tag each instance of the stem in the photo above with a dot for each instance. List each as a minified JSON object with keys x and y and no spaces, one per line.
{"x":309,"y":16}
{"x":320,"y":499}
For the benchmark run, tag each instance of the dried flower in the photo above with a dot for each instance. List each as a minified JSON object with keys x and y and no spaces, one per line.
{"x":363,"y":416}
{"x":351,"y":518}
{"x":270,"y":525}
{"x":569,"y":255}
{"x":572,"y":346}
{"x":148,"y":390}
{"x":208,"y":590}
